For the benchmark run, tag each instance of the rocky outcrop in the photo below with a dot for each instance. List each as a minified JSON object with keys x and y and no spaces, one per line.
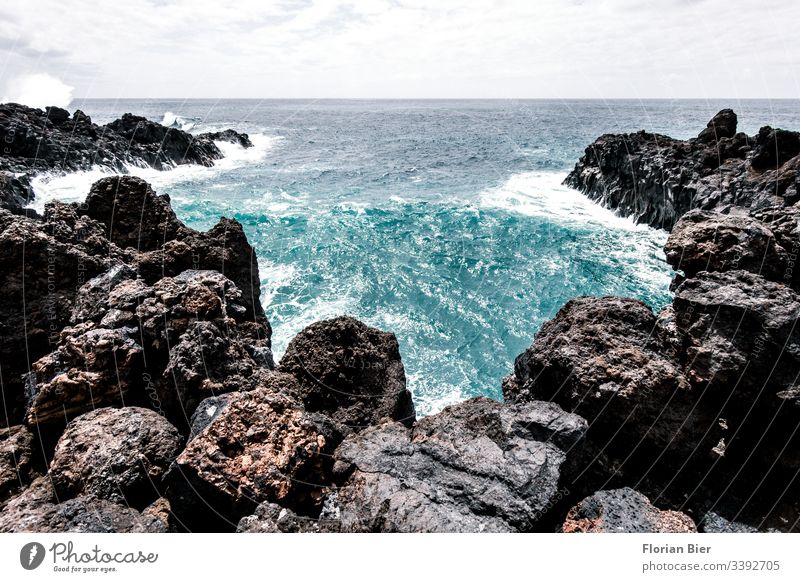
{"x":42,"y":263}
{"x":351,"y":372}
{"x":656,"y":179}
{"x":36,"y":140}
{"x":478,"y":466}
{"x":119,"y":455}
{"x":624,"y":511}
{"x":167,"y":346}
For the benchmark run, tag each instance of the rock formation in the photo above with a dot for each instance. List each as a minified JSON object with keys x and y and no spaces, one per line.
{"x":656,"y":179}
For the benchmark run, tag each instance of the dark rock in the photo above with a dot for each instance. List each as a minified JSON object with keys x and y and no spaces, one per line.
{"x":715,"y":523}
{"x":656,"y":179}
{"x":37,"y":510}
{"x":260,"y":446}
{"x":42,"y":263}
{"x":740,"y":330}
{"x":132,"y":213}
{"x":17,"y":456}
{"x":36,"y":140}
{"x":230,"y":136}
{"x":710,"y":241}
{"x":351,"y":372}
{"x":162,"y":147}
{"x":15,"y":193}
{"x":723,"y":124}
{"x":166,"y":346}
{"x":774,"y":147}
{"x":119,"y":455}
{"x":135,"y":216}
{"x":624,"y":511}
{"x":476,"y":466}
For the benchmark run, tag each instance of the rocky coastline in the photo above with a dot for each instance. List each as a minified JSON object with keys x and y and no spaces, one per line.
{"x":141,"y":394}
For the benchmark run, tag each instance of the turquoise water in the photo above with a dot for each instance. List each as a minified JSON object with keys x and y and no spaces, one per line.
{"x":441,"y":221}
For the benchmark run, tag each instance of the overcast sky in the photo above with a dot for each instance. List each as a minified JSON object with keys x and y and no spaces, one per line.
{"x":400,"y":48}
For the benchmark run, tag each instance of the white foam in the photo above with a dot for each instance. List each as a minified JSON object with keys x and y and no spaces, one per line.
{"x":170,"y":119}
{"x":543,"y":194}
{"x":74,"y":186}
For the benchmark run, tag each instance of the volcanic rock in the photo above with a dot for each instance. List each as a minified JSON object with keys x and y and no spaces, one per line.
{"x":351,"y":372}
{"x":119,"y":455}
{"x":476,"y":466}
{"x":260,"y":446}
{"x":624,"y":511}
{"x":37,"y":510}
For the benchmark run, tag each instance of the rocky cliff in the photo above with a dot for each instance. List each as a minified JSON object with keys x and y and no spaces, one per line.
{"x":656,"y":179}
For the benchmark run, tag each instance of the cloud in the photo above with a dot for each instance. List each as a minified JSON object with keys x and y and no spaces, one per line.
{"x":38,"y":90}
{"x":409,"y":48}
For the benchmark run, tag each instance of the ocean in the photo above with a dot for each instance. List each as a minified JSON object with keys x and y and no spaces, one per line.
{"x":442,"y":221}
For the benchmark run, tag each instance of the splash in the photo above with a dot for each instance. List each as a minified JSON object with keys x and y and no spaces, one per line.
{"x":38,"y":90}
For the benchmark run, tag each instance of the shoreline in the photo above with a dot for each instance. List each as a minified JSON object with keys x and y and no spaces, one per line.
{"x":169,"y":333}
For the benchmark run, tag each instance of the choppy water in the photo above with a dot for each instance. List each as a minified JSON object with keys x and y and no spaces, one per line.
{"x":442,"y":221}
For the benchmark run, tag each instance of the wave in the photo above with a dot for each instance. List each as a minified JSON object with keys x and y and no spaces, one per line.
{"x":74,"y":186}
{"x":170,"y":119}
{"x":543,"y":194}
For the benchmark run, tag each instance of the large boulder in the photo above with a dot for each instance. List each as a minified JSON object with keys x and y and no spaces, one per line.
{"x":351,"y":372}
{"x":120,"y":455}
{"x":478,"y":466}
{"x":723,"y":124}
{"x":710,"y":241}
{"x":624,"y":511}
{"x":253,"y":447}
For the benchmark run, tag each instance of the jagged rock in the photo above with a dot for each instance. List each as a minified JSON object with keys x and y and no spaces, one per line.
{"x":723,"y":124}
{"x":709,"y":241}
{"x":16,"y":459}
{"x":272,"y":518}
{"x":166,"y":346}
{"x":37,"y":510}
{"x":42,"y":263}
{"x":36,"y":140}
{"x":90,"y":368}
{"x":162,"y":147}
{"x":774,"y":147}
{"x":119,"y":455}
{"x":260,"y":446}
{"x":15,"y":193}
{"x":228,"y":135}
{"x":476,"y":466}
{"x":135,"y":216}
{"x":624,"y":511}
{"x":740,"y":330}
{"x":351,"y":372}
{"x":656,"y":179}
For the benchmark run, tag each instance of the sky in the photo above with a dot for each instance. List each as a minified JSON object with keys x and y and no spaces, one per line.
{"x":53,"y":50}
